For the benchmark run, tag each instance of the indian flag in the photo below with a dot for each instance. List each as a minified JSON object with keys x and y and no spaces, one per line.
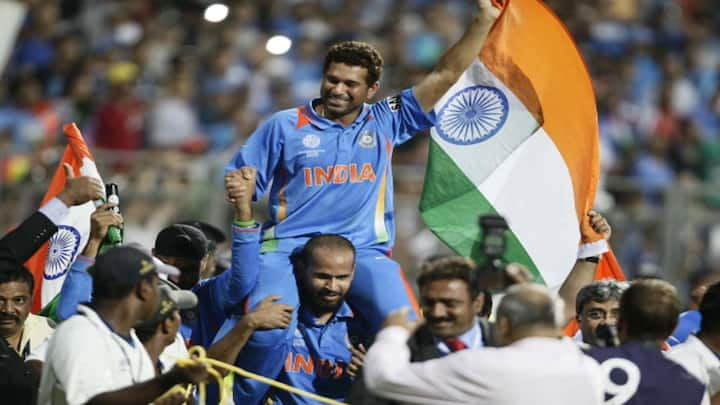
{"x":517,"y":135}
{"x":50,"y":265}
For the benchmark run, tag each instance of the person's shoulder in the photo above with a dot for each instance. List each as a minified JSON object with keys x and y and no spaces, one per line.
{"x":77,"y":326}
{"x":288,"y":118}
{"x":38,"y":327}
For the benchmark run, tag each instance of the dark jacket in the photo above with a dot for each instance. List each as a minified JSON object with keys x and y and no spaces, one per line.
{"x":422,"y":348}
{"x":21,"y":243}
{"x":18,"y":384}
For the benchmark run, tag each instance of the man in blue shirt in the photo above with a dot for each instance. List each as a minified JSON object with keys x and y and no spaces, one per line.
{"x":329,"y":163}
{"x":636,"y":371}
{"x":326,"y":340}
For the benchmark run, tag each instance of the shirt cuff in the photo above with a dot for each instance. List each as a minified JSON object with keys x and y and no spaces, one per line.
{"x":55,"y":210}
{"x":393,"y":334}
{"x":82,"y":263}
{"x":593,"y":249}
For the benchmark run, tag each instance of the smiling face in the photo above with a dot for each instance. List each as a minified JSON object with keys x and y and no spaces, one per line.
{"x":344,"y":89}
{"x":327,"y":278}
{"x":448,"y":307}
{"x":15,"y":302}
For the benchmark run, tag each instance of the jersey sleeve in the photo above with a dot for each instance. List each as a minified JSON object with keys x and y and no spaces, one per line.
{"x":229,"y":289}
{"x":76,"y":288}
{"x":261,"y":151}
{"x":402,"y":115}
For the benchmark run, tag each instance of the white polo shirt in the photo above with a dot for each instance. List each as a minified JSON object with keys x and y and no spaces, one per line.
{"x":86,"y":358}
{"x":700,"y":361}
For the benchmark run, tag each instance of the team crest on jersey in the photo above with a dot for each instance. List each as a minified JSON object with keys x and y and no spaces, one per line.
{"x":368,"y":139}
{"x":472,"y":115}
{"x":394,"y":102}
{"x":62,"y":249}
{"x":311,"y":141}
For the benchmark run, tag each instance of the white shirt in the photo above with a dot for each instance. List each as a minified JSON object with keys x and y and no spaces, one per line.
{"x":699,"y":361}
{"x":534,"y":370}
{"x":85,"y":358}
{"x":174,"y":351}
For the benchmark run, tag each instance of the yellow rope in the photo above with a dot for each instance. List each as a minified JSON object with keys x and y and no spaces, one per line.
{"x":197,"y":354}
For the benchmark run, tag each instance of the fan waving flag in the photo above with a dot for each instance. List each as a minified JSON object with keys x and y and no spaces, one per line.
{"x":50,"y":265}
{"x":517,"y":135}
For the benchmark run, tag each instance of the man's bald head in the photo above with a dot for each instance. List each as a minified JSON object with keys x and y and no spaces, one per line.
{"x":527,"y":310}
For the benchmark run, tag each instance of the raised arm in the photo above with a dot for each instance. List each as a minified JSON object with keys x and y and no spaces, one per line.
{"x":583,"y":272}
{"x":77,"y":286}
{"x":21,"y":243}
{"x":456,"y":59}
{"x":245,"y":260}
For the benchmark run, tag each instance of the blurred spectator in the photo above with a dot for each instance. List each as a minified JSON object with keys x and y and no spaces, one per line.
{"x":698,"y":353}
{"x":173,"y":123}
{"x":120,"y":119}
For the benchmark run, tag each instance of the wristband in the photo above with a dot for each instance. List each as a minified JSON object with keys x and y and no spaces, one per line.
{"x":244,"y":224}
{"x":591,"y":259}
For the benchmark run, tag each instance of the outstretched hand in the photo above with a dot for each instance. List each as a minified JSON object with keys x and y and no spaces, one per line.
{"x":79,"y":190}
{"x":240,"y":187}
{"x":599,"y":224}
{"x":268,"y":314}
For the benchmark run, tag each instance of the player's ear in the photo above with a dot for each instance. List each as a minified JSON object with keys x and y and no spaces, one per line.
{"x":372,"y":89}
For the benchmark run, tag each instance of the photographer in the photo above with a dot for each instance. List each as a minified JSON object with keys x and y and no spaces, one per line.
{"x":597,"y":307}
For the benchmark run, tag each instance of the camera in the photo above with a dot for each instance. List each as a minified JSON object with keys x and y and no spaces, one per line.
{"x":607,"y":335}
{"x":493,"y":242}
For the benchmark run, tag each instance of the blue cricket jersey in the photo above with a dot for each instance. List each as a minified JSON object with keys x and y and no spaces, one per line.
{"x":327,"y":178}
{"x":688,"y":324}
{"x":219,"y":295}
{"x":643,"y":375}
{"x":318,"y":357}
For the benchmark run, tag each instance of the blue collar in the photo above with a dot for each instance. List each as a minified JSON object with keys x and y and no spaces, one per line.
{"x":128,"y":338}
{"x":308,"y":317}
{"x":323,"y":123}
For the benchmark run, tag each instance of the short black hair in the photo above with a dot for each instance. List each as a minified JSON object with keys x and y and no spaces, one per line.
{"x":449,"y":268}
{"x":598,"y":291}
{"x":710,"y":310}
{"x":13,"y":272}
{"x":304,"y":256}
{"x":649,"y":308}
{"x":355,"y":53}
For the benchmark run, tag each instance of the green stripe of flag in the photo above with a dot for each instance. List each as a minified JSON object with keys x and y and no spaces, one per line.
{"x":451,"y":204}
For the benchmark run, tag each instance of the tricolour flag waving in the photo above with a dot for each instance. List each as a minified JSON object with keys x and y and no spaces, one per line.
{"x":517,"y":135}
{"x":50,"y":265}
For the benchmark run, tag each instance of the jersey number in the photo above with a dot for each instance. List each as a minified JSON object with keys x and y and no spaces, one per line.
{"x":621,"y":392}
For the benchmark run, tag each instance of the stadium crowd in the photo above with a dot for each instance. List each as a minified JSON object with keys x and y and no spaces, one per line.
{"x":153,"y":77}
{"x":200,"y":88}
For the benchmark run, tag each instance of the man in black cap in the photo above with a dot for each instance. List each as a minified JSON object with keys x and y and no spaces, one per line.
{"x":95,"y":356}
{"x":185,"y":247}
{"x":215,"y":237}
